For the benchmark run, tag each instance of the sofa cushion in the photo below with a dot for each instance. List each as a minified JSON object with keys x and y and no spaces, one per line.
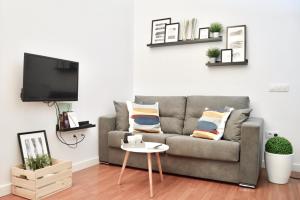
{"x":233,"y":127}
{"x":143,"y":118}
{"x":122,"y":123}
{"x":114,"y":138}
{"x":171,"y":111}
{"x":196,"y":105}
{"x":188,"y":146}
{"x":212,"y":124}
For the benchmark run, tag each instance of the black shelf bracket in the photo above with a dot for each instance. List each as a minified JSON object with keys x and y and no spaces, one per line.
{"x":183,"y":42}
{"x":226,"y":64}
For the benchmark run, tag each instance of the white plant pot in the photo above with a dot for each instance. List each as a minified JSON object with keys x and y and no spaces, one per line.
{"x":279,"y":167}
{"x":215,"y":34}
{"x":212,"y":60}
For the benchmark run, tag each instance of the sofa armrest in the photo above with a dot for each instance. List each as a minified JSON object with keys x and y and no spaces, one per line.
{"x":106,"y":124}
{"x":251,"y":147}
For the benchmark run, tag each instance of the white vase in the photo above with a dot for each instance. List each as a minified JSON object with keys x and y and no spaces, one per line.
{"x":215,"y":34}
{"x":212,"y":60}
{"x":279,"y":167}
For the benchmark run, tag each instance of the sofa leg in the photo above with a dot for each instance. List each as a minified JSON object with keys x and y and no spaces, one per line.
{"x":104,"y":163}
{"x":247,"y":185}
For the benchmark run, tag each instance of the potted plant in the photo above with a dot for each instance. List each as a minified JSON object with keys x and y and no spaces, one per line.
{"x":215,"y":29}
{"x":278,"y":158}
{"x":213,"y":54}
{"x":39,"y":162}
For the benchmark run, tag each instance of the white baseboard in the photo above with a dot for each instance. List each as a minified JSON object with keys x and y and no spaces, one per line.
{"x":85,"y":164}
{"x":295,"y":166}
{"x":5,"y":189}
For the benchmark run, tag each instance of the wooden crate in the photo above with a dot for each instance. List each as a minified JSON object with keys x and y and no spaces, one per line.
{"x":43,"y":182}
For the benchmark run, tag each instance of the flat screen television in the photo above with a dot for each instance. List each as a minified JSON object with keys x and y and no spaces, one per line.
{"x":49,"y":79}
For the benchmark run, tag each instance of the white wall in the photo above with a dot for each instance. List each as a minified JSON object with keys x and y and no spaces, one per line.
{"x":98,"y":34}
{"x":273,"y":50}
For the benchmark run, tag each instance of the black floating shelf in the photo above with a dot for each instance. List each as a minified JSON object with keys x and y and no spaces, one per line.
{"x":227,"y":64}
{"x":76,"y":128}
{"x":182,"y":42}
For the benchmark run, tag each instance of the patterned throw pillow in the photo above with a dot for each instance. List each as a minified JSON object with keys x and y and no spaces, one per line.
{"x":143,"y":118}
{"x":212,"y":124}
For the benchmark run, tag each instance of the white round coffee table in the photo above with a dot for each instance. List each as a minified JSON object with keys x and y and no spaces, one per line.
{"x":150,"y":147}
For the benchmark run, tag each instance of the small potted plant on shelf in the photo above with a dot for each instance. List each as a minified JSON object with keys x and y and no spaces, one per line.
{"x":278,"y":158}
{"x":215,"y":29}
{"x":213,"y":54}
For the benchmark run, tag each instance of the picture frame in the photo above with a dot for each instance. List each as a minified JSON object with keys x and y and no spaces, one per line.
{"x":32,"y":144}
{"x":203,"y":33}
{"x":226,"y":55}
{"x":236,"y":40}
{"x":158,"y":30}
{"x":172,"y":32}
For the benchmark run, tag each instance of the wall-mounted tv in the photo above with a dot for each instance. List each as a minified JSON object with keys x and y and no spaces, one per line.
{"x":49,"y":79}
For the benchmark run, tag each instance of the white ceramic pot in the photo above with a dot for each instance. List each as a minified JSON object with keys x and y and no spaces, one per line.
{"x":212,"y":60}
{"x":215,"y":34}
{"x":279,"y":167}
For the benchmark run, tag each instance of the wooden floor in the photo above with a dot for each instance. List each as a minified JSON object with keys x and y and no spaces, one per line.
{"x":100,"y":182}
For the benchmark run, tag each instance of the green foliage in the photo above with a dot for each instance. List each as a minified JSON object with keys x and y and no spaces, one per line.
{"x":279,"y":145}
{"x":213,"y":53}
{"x":39,"y":162}
{"x":216,"y":27}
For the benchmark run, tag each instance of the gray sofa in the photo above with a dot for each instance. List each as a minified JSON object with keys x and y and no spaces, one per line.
{"x":230,"y":161}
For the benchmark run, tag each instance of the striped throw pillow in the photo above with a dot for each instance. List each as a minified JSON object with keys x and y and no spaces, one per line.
{"x":143,"y":118}
{"x":212,"y":124}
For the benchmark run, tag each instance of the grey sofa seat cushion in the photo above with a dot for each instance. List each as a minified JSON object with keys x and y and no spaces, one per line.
{"x":188,"y":146}
{"x":122,"y":115}
{"x":114,"y":138}
{"x":171,"y":111}
{"x":195,"y":106}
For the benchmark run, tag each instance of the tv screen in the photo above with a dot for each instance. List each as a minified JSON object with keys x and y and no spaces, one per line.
{"x":49,"y":79}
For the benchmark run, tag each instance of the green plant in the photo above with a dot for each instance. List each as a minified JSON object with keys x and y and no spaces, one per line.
{"x":216,"y":27}
{"x":39,"y":162}
{"x":213,"y":53}
{"x":279,"y":145}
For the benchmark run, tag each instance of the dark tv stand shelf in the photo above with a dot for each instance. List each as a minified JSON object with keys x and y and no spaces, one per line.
{"x":82,"y":125}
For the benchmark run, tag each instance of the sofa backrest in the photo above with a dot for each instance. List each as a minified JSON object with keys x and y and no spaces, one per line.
{"x":196,"y":105}
{"x":171,"y":111}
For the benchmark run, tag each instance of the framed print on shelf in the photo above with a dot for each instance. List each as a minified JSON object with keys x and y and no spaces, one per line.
{"x":33,"y":144}
{"x":236,"y":40}
{"x":172,"y":32}
{"x":158,"y":30}
{"x":204,"y":33}
{"x":226,"y":55}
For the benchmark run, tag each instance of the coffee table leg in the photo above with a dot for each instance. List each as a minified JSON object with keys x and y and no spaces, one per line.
{"x":123,"y":167}
{"x":150,"y":173}
{"x":159,"y":166}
